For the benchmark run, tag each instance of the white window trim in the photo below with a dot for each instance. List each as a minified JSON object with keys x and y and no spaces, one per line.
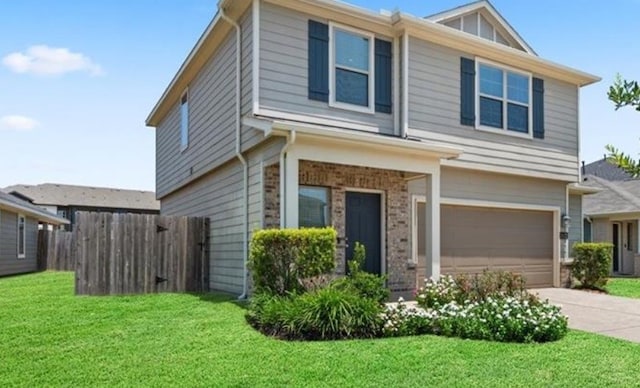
{"x":415,"y":200}
{"x":505,"y":100}
{"x":332,"y":70}
{"x":24,"y":237}
{"x":184,"y":146}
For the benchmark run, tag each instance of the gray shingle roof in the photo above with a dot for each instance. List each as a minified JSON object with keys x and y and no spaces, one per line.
{"x":19,"y":206}
{"x":70,"y":195}
{"x":615,"y":197}
{"x":605,"y":170}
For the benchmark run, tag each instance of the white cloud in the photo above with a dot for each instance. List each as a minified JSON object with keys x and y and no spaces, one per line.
{"x":17,"y":123}
{"x":45,"y":60}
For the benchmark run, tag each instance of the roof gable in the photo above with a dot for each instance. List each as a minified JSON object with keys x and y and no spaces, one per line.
{"x":482,"y":19}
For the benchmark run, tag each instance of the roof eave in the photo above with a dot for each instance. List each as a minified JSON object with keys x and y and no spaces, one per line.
{"x":41,"y":216}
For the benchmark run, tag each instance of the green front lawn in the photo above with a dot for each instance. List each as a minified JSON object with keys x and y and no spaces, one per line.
{"x":628,"y":287}
{"x":48,"y":336}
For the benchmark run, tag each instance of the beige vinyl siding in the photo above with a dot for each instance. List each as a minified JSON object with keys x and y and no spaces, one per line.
{"x":211,"y":119}
{"x":434,"y":114}
{"x":9,"y":262}
{"x":283,"y":70}
{"x":575,"y":212}
{"x":218,"y":196}
{"x":483,"y":186}
{"x":250,"y":137}
{"x":601,"y":230}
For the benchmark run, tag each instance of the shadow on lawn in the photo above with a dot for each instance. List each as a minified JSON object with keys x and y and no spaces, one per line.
{"x":213,"y":297}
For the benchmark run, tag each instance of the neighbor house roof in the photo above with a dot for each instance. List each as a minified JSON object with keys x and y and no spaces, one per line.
{"x":71,"y":195}
{"x":605,"y":170}
{"x":615,"y":197}
{"x":17,"y":205}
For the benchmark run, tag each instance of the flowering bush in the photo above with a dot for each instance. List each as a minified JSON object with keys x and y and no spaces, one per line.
{"x":504,"y":319}
{"x":490,"y":306}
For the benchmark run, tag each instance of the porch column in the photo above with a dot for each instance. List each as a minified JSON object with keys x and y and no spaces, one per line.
{"x":432,"y":223}
{"x":289,"y":192}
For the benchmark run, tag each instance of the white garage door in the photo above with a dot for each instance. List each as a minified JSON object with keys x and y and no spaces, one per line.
{"x":521,"y":241}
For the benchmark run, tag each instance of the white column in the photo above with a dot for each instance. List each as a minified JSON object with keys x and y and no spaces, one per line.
{"x":432,"y":218}
{"x":290,"y":215}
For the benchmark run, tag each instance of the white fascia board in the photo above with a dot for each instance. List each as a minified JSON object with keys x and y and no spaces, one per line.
{"x":434,"y":149}
{"x":41,"y":216}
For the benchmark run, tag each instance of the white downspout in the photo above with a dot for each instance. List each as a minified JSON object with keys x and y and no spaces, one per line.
{"x":291,"y":139}
{"x":245,"y":167}
{"x":565,"y":256}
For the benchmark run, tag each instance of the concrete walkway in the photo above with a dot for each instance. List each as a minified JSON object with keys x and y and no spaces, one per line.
{"x":597,"y":313}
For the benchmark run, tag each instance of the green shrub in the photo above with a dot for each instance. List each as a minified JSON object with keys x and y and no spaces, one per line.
{"x":364,"y":284}
{"x":490,"y":284}
{"x":329,"y":314}
{"x":326,"y":314}
{"x":280,"y":259}
{"x":504,"y":319}
{"x":591,"y":264}
{"x":471,"y":287}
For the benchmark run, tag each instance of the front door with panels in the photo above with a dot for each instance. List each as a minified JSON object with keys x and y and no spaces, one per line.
{"x":363,"y":224}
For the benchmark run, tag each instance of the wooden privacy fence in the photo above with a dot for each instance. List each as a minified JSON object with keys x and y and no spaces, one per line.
{"x":137,"y":253}
{"x":55,"y":251}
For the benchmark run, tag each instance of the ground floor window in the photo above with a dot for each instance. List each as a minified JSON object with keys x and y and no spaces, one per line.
{"x":22,"y":236}
{"x":313,"y":207}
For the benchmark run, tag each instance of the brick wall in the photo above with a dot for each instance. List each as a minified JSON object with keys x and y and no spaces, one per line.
{"x":401,"y":275}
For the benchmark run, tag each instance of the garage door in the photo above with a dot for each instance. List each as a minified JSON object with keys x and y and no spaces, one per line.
{"x":474,"y":238}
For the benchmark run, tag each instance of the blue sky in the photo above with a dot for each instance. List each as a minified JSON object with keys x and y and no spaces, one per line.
{"x":78,"y":78}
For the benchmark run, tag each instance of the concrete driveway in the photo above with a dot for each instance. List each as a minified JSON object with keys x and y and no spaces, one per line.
{"x":597,"y":313}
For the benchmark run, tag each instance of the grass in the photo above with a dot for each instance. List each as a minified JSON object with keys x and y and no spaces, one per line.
{"x":49,"y":337}
{"x":629,"y":287}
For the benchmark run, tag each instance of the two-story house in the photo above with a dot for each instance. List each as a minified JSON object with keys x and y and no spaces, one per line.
{"x":444,"y":144}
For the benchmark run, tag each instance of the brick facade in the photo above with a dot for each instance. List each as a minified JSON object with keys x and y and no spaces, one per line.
{"x":401,"y":274}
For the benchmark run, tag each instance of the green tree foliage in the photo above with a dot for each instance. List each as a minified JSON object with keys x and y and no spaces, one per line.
{"x":624,"y":93}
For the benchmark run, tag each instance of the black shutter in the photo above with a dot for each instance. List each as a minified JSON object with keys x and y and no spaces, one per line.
{"x":383,"y":76}
{"x":467,"y":91}
{"x":318,"y":61}
{"x":538,"y":108}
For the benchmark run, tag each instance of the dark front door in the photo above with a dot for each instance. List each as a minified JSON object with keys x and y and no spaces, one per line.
{"x":363,"y":225}
{"x":616,"y":247}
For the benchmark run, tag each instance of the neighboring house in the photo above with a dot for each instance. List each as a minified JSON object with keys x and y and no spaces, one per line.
{"x":66,"y":200}
{"x":613,"y":214}
{"x":19,"y":234}
{"x":444,"y":144}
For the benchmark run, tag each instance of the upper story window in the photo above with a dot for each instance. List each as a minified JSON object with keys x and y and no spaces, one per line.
{"x":349,"y":69}
{"x":184,"y":121}
{"x":22,"y":236}
{"x":503,"y":99}
{"x":351,"y":76}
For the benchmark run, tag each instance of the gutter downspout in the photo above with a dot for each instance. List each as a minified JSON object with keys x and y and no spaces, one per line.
{"x":291,"y":139}
{"x":245,"y":167}
{"x":565,"y":256}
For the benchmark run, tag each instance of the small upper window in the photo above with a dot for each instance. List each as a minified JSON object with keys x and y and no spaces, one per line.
{"x":22,"y":236}
{"x":503,"y":99}
{"x":184,"y":122}
{"x":352,"y":69}
{"x":313,"y":207}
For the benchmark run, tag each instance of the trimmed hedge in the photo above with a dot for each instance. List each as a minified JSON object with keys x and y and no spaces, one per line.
{"x":592,"y":264}
{"x":280,"y":259}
